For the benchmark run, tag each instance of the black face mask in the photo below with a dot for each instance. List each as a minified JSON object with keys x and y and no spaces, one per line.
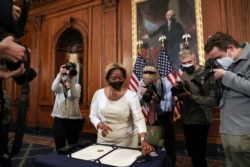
{"x":116,"y":85}
{"x":188,"y":70}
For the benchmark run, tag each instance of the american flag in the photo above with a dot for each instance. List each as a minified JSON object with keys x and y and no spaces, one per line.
{"x":166,"y":69}
{"x":137,"y":73}
{"x":137,"y":76}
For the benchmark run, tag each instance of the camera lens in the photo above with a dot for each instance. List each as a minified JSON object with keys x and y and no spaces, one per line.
{"x":72,"y":68}
{"x":72,"y":72}
{"x":147,"y":96}
{"x":149,"y":92}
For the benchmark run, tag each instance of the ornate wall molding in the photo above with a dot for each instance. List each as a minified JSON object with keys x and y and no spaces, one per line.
{"x":37,"y":22}
{"x":69,"y":21}
{"x":110,"y":5}
{"x":34,"y":3}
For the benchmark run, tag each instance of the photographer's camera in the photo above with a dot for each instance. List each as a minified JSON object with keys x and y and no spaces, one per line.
{"x":147,"y":96}
{"x":29,"y":74}
{"x":179,"y":88}
{"x":71,"y":67}
{"x":201,"y":79}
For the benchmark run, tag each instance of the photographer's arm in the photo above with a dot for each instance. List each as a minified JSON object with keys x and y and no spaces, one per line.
{"x":206,"y":94}
{"x":75,"y":90}
{"x":238,"y":82}
{"x":205,"y":100}
{"x":5,"y":73}
{"x":55,"y":85}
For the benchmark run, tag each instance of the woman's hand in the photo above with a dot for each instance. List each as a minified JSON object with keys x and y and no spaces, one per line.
{"x":146,"y":148}
{"x":105,"y":128}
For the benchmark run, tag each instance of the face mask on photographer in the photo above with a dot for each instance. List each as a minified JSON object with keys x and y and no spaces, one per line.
{"x":65,"y":77}
{"x":189,"y":68}
{"x":225,"y":61}
{"x":117,"y":85}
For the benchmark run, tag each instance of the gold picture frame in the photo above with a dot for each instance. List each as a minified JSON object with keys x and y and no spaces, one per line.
{"x":198,"y":27}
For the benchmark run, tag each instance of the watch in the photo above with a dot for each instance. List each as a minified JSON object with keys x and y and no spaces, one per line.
{"x":144,"y":139}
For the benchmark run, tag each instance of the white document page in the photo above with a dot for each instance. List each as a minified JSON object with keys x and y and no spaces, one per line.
{"x":121,"y":157}
{"x":92,"y":152}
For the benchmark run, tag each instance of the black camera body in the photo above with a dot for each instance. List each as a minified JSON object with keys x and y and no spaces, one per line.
{"x":201,"y":79}
{"x":29,"y":74}
{"x":72,"y":68}
{"x":176,"y":91}
{"x":147,"y":96}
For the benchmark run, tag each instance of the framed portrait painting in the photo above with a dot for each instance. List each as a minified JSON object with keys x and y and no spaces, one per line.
{"x":149,"y":18}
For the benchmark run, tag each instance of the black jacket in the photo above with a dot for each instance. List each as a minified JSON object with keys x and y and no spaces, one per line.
{"x":6,"y":19}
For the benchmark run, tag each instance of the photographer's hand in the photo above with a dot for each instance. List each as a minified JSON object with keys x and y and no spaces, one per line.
{"x":16,"y":11}
{"x":68,"y":84}
{"x":219,"y":73}
{"x":155,"y":97}
{"x":186,"y":93}
{"x":143,"y":89}
{"x":11,"y":50}
{"x":176,"y":84}
{"x":63,"y":70}
{"x":5,"y":73}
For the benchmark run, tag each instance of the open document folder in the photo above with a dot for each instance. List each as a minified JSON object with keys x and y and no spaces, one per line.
{"x":109,"y":155}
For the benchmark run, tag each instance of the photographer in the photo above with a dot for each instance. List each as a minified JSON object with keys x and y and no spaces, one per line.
{"x":197,"y":106}
{"x":155,"y":95}
{"x":68,"y":121}
{"x":12,"y":52}
{"x":235,"y":100}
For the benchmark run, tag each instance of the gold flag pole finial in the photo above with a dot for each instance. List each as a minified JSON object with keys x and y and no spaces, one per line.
{"x":139,"y":46}
{"x":162,"y":38}
{"x":186,"y":37}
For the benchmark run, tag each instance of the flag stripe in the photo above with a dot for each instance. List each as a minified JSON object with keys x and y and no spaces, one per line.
{"x":133,"y":83}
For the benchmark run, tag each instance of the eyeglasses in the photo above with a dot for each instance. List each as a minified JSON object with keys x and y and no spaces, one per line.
{"x":149,"y":72}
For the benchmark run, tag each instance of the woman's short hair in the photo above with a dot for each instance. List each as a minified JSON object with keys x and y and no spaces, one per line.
{"x":149,"y":74}
{"x":113,"y":66}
